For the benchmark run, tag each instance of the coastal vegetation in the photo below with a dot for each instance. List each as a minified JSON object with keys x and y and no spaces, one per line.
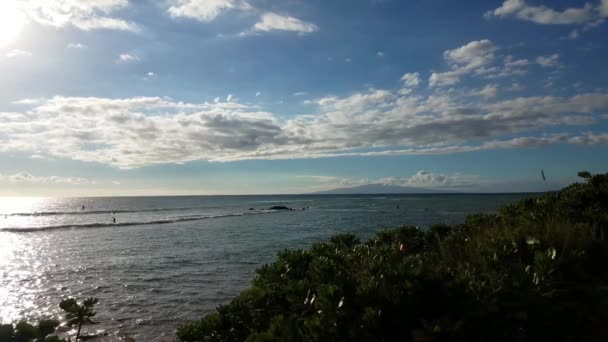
{"x":535,"y":270}
{"x":76,"y":313}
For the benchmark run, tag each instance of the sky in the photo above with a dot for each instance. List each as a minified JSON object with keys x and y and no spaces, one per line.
{"x":189,"y":97}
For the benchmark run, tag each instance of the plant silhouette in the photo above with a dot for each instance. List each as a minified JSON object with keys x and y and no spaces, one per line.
{"x":77,"y":313}
{"x":24,"y":331}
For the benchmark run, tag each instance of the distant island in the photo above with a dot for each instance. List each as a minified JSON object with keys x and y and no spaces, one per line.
{"x":381,"y":189}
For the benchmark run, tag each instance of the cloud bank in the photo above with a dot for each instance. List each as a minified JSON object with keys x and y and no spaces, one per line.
{"x":136,"y":132}
{"x":141,"y":131}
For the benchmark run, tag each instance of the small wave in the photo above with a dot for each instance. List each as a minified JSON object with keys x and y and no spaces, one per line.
{"x":286,"y":201}
{"x":127,"y":224}
{"x":97,"y":212}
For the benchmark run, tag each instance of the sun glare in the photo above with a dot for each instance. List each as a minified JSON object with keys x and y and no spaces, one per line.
{"x":11,"y":22}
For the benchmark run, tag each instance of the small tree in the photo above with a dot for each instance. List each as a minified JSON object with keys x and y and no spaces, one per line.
{"x":77,"y":313}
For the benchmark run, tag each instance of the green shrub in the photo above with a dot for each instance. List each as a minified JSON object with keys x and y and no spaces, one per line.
{"x":25,"y":332}
{"x":534,"y":271}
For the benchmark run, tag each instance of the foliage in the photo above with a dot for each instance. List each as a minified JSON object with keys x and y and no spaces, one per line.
{"x":78,"y":313}
{"x":533,"y":271}
{"x":25,"y":332}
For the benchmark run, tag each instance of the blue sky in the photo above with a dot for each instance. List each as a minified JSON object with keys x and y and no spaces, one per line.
{"x":127,"y":97}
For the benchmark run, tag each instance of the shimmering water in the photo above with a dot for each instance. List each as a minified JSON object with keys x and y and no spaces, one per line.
{"x":171,"y":259}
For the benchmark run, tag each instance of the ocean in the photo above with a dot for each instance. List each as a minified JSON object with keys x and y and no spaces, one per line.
{"x":166,"y":260}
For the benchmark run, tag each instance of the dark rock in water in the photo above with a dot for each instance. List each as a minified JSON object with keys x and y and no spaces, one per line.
{"x":251,"y":208}
{"x":280,"y":207}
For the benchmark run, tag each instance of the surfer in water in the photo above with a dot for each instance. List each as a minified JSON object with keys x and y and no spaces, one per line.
{"x":114,"y":220}
{"x":83,"y":207}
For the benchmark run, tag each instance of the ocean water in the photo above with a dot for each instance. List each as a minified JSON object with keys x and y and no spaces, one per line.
{"x":170,"y":259}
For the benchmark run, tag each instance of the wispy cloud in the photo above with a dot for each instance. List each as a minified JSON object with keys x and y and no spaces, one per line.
{"x":548,"y":61}
{"x":78,"y":46}
{"x":18,"y":53}
{"x":26,"y":177}
{"x":489,"y":91}
{"x":127,"y":58}
{"x":464,"y":60}
{"x":275,"y":22}
{"x":543,"y":14}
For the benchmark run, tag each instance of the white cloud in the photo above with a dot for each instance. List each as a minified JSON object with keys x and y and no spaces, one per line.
{"x":204,"y":10}
{"x":511,"y":67}
{"x":208,"y":10}
{"x":84,"y":15}
{"x":300,"y":93}
{"x":258,"y":93}
{"x":149,"y":75}
{"x":472,"y":57}
{"x":544,"y":15}
{"x":548,"y":61}
{"x":604,"y":8}
{"x":445,"y":78}
{"x":229,"y":98}
{"x":127,"y":58}
{"x":355,"y":103}
{"x":26,"y":177}
{"x":380,"y":54}
{"x":76,"y":46}
{"x":411,"y":80}
{"x":274,"y":22}
{"x":489,"y":91}
{"x":18,"y":53}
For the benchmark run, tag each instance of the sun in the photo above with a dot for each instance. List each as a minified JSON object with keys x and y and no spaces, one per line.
{"x":11,"y":22}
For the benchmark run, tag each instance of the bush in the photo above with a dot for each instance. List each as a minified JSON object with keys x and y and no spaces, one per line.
{"x":534,"y":271}
{"x":25,"y":332}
